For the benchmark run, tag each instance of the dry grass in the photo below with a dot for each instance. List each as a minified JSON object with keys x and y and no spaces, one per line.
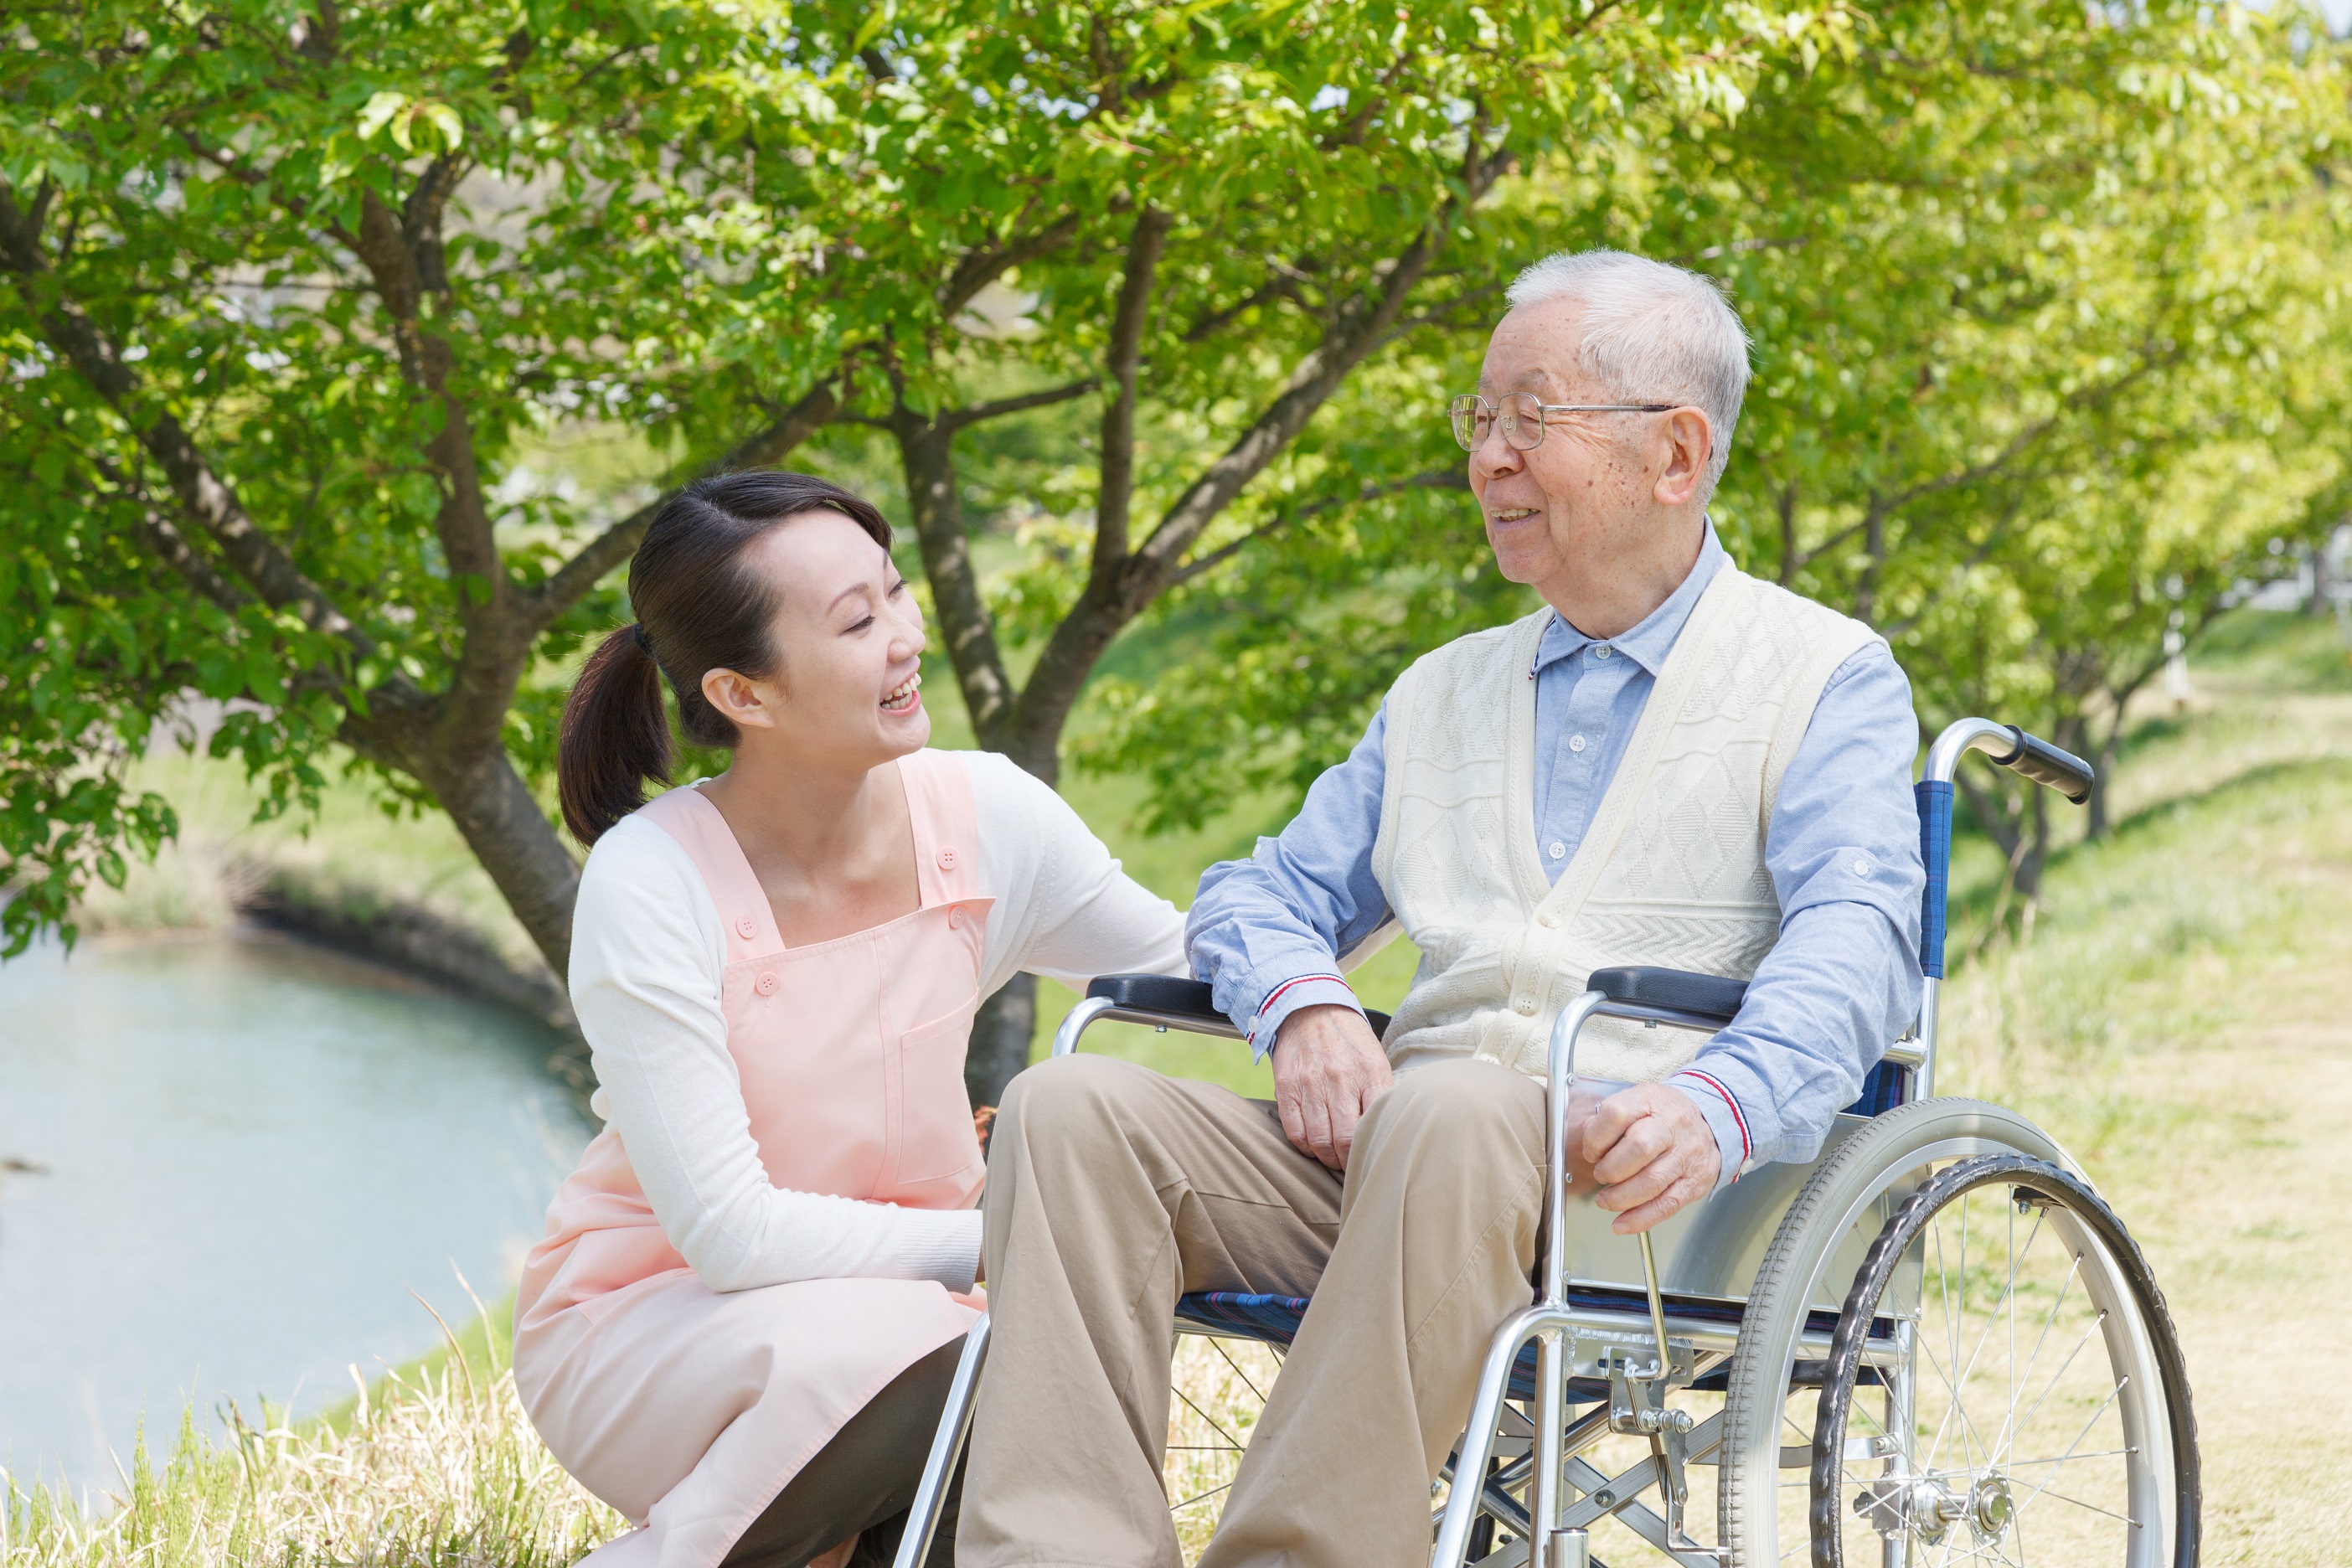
{"x":435,"y":1466}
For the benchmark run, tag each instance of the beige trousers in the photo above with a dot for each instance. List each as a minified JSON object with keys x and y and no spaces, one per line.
{"x":1113,"y":1190}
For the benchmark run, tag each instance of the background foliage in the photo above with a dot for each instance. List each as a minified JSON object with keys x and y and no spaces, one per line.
{"x":1139,"y":315}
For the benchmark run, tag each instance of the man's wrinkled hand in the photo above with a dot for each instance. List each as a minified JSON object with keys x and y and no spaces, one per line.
{"x":1328,"y":1068}
{"x":1653,"y":1154}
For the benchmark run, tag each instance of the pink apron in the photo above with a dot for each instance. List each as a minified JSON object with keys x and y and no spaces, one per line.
{"x":688,"y":1409}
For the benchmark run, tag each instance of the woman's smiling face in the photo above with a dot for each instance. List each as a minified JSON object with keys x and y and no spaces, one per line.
{"x":848,"y":638}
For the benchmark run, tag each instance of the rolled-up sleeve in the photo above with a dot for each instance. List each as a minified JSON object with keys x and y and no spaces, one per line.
{"x":1842,"y":982}
{"x":1267,"y":933}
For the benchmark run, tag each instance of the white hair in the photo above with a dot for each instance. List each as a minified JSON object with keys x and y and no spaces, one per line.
{"x":1650,"y":333}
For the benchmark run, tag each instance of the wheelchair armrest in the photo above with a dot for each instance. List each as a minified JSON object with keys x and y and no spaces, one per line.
{"x":1703,"y":996}
{"x":1176,"y":1000}
{"x":1157,"y":993}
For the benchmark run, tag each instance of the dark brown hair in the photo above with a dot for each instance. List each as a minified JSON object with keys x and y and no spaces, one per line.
{"x":699,"y":609}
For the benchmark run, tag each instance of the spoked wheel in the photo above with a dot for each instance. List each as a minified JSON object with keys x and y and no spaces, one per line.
{"x":2005,"y":1386}
{"x":1823,"y":1242}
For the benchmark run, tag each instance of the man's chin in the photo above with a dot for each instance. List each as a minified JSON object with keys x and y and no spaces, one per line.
{"x":1518,"y":565}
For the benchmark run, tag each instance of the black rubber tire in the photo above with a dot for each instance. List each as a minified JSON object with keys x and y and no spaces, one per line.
{"x":2054,"y":1186}
{"x":1780,"y":1297}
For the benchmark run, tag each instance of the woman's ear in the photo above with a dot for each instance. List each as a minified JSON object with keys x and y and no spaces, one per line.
{"x":737,"y":700}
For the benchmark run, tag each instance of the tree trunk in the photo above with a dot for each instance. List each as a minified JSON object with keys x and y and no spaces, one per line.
{"x":1001,"y":1037}
{"x":1873,"y":546}
{"x":2035,"y":844}
{"x":1791,"y":560}
{"x":503,"y":825}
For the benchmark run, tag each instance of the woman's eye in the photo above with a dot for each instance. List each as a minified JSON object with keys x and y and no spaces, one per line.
{"x":898,"y":588}
{"x":861,"y":624}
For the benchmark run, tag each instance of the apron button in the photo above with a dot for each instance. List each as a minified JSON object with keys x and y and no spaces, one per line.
{"x":747,"y":928}
{"x":955,"y":916}
{"x":766,"y":985}
{"x":947,"y":859}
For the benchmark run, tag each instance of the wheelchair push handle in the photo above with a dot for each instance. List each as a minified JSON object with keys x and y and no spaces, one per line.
{"x":2004,"y":745}
{"x":2044,"y":763}
{"x":2007,"y":746}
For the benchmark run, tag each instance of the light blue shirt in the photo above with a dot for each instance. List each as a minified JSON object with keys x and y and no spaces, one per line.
{"x":1842,"y":982}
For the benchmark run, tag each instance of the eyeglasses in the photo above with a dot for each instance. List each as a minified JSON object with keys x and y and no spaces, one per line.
{"x":1523,"y":418}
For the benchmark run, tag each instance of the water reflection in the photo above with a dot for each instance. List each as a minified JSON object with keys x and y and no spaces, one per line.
{"x":224,"y":1166}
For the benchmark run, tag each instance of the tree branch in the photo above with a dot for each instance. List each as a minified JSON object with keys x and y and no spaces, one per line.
{"x":957,"y":418}
{"x":172,"y":547}
{"x":980,"y":267}
{"x":1283,"y":287}
{"x":572,"y":581}
{"x":1358,"y":328}
{"x":1454,"y":478}
{"x":1358,"y":324}
{"x":1115,"y":489}
{"x":202,"y":495}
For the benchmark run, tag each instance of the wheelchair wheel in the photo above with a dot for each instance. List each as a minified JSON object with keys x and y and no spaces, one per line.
{"x":1772,"y":1399}
{"x":2031,"y":1405}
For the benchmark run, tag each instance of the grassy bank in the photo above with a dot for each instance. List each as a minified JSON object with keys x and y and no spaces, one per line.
{"x":2181,"y":1017}
{"x":433,"y":1464}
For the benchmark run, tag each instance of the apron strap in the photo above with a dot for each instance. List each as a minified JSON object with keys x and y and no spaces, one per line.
{"x":947,"y":826}
{"x":743,"y":909}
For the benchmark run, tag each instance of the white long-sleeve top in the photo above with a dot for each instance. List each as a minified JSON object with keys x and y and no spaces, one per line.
{"x":647,"y":952}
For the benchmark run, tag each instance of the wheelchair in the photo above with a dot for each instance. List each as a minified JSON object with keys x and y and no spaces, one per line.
{"x":1934,"y":1343}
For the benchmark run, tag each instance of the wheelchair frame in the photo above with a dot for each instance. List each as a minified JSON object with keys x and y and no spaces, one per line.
{"x":1624,"y":1327}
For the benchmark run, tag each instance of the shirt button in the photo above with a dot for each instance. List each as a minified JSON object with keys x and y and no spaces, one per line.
{"x":1576,"y":742}
{"x":1862,"y":868}
{"x":766,"y":985}
{"x":947,"y":859}
{"x":747,"y":928}
{"x":1602,"y":651}
{"x":1556,"y":849}
{"x":1524,"y":1006}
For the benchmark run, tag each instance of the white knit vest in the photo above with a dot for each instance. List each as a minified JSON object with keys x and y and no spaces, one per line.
{"x":1671,"y":871}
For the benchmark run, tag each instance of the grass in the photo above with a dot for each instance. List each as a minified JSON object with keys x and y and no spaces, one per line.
{"x":2180,"y":1017}
{"x":433,"y":1465}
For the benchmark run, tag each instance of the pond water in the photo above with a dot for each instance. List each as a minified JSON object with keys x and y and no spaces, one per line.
{"x":226,"y":1164}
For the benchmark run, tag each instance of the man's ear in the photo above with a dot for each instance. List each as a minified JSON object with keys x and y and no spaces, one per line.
{"x":1690,"y":441}
{"x":736,"y":700}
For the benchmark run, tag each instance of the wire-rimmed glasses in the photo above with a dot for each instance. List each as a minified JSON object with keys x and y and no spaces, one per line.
{"x":1523,"y":417}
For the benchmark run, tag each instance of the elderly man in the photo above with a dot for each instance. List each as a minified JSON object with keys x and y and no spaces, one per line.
{"x":1671,"y":763}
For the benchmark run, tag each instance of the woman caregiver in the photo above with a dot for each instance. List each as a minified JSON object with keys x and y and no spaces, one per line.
{"x":741,"y":1326}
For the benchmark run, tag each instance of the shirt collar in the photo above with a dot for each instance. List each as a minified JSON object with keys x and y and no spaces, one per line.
{"x":1650,"y":642}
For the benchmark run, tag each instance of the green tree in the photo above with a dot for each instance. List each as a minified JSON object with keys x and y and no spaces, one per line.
{"x":286,"y":284}
{"x":2023,"y":282}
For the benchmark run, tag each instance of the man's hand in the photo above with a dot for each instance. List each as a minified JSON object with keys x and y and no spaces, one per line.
{"x":1651,"y":1152}
{"x":1328,"y":1068}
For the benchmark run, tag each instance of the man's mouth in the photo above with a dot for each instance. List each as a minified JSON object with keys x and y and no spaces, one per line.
{"x":902,"y":696}
{"x":1511,"y":513}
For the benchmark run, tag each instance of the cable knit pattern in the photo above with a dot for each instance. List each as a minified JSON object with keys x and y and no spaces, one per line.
{"x":1672,"y":870}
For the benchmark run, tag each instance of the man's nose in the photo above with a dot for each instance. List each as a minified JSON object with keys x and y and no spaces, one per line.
{"x":1494,"y":456}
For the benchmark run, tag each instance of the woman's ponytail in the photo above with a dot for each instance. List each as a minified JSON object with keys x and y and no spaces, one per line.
{"x":615,"y":737}
{"x":699,"y":609}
